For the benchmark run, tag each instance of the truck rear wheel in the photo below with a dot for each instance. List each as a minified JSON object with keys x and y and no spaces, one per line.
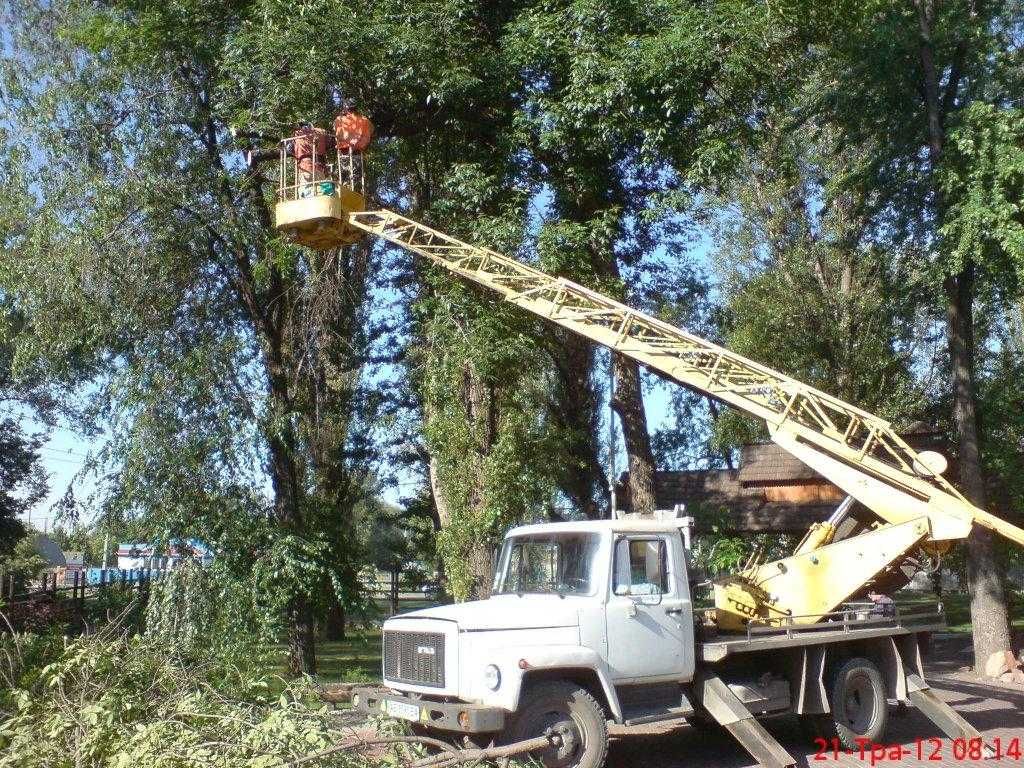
{"x":860,"y":710}
{"x":573,"y":714}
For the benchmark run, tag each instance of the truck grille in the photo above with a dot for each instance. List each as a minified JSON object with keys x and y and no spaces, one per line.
{"x":414,"y":657}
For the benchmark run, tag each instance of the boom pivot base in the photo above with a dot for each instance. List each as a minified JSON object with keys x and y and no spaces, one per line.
{"x":801,"y":589}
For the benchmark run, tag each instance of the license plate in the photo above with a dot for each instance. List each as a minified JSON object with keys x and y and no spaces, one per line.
{"x":402,"y":710}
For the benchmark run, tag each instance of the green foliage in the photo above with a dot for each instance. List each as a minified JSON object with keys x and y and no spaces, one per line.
{"x":24,"y":562}
{"x":84,"y":538}
{"x":207,"y":613}
{"x":717,"y":550}
{"x":222,"y":366}
{"x":22,"y":479}
{"x":22,"y":482}
{"x":806,"y":287}
{"x":117,"y":701}
{"x":999,"y":396}
{"x":396,"y":540}
{"x":230,"y":372}
{"x":983,"y":178}
{"x":489,"y":444}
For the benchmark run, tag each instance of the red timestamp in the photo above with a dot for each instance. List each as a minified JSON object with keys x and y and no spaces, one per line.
{"x":932,"y":749}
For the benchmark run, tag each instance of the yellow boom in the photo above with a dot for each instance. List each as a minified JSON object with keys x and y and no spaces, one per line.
{"x":854,"y":449}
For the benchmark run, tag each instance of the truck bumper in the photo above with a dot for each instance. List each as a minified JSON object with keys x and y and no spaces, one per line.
{"x":441,"y":715}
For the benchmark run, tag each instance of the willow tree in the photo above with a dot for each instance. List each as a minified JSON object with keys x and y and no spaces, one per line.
{"x":224,"y":363}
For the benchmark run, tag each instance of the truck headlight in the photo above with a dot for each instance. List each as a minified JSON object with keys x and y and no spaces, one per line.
{"x":492,"y":677}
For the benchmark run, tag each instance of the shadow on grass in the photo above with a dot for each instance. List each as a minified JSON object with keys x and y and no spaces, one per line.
{"x":356,"y":659}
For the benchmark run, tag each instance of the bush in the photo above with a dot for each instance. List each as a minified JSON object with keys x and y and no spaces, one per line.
{"x":121,"y":701}
{"x":23,"y":563}
{"x":207,"y":614}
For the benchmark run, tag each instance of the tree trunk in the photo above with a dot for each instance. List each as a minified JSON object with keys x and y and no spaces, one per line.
{"x":479,"y":556}
{"x":335,"y":624}
{"x":301,"y":638}
{"x":481,"y":566}
{"x":590,"y":192}
{"x":481,"y":411}
{"x":629,"y":406}
{"x":573,"y":408}
{"x":287,"y":509}
{"x":989,"y":615}
{"x":444,"y":514}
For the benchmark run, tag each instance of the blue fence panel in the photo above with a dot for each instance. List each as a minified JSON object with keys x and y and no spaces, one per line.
{"x":96,"y":576}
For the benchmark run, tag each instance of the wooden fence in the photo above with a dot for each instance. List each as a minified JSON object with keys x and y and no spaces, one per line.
{"x":391,"y":598}
{"x":47,"y":601}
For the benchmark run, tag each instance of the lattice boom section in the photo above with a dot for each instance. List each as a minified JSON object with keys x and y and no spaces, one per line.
{"x":841,"y":429}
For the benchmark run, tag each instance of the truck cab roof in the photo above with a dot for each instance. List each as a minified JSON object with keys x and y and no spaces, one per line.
{"x":601,"y":526}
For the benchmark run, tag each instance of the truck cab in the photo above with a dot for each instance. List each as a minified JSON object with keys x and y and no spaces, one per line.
{"x":601,"y":605}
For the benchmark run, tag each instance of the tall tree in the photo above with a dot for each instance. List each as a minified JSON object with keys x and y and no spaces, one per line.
{"x":221,"y":359}
{"x":443,"y":105}
{"x":913,"y":81}
{"x":23,"y":483}
{"x":806,"y":287}
{"x":629,"y":107}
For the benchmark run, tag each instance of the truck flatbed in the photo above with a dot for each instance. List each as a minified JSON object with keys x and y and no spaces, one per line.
{"x":844,"y":626}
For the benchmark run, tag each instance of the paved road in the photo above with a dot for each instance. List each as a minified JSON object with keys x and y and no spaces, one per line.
{"x":996,"y":710}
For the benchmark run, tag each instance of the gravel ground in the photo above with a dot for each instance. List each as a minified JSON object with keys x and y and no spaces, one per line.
{"x":995,"y":709}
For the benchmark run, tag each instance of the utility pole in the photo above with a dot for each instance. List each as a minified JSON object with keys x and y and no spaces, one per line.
{"x":106,"y":549}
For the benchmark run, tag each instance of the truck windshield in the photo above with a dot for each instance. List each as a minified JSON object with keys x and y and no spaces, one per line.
{"x":559,"y":563}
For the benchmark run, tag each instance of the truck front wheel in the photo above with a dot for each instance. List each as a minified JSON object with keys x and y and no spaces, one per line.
{"x":860,"y":710}
{"x":572,"y":714}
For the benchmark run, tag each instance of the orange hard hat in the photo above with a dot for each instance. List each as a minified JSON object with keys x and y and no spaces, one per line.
{"x":353,"y":130}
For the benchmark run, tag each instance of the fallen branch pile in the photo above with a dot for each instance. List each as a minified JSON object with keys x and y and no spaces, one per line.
{"x":448,"y":754}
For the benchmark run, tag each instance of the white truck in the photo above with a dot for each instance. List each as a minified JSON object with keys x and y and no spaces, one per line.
{"x":594,"y":622}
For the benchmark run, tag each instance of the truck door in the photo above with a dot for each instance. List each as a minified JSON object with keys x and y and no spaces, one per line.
{"x":649,"y":613}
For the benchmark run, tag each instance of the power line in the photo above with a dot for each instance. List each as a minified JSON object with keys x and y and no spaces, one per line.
{"x":62,"y":452}
{"x":76,"y":462}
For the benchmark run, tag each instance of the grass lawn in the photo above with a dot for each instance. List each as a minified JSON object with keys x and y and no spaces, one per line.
{"x":353,"y":660}
{"x":958,"y":611}
{"x":357,"y":659}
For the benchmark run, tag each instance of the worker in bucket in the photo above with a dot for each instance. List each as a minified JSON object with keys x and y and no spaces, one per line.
{"x":309,"y":148}
{"x":352,"y":135}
